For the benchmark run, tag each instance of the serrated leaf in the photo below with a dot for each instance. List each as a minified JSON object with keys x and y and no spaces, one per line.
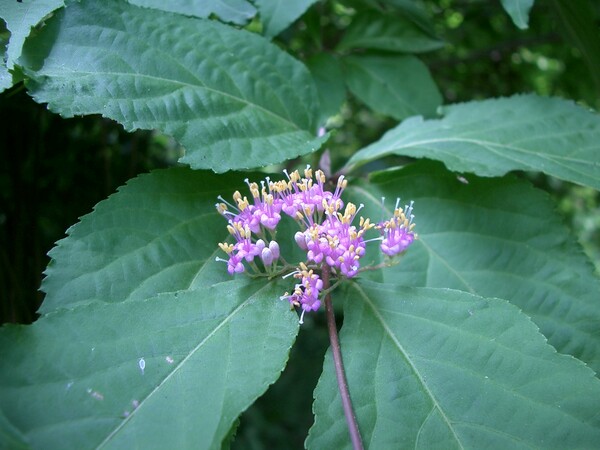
{"x":435,"y":368}
{"x":381,"y":31}
{"x":159,"y":233}
{"x":328,"y":76}
{"x":518,"y":10}
{"x":398,"y":86}
{"x":493,"y":137}
{"x":170,"y":371}
{"x":232,"y":99}
{"x":234,"y":11}
{"x":495,"y":238}
{"x":277,"y":15}
{"x":20,"y":17}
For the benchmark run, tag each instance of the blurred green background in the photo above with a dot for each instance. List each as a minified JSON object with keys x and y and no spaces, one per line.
{"x":55,"y":170}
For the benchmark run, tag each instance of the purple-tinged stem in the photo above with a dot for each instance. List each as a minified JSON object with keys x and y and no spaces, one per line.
{"x":339,"y":366}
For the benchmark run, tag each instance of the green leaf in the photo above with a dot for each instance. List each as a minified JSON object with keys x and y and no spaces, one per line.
{"x":494,"y":238}
{"x":413,"y":10}
{"x":6,"y":80}
{"x":398,"y":86}
{"x":277,"y":15}
{"x":380,"y":31}
{"x":436,"y":368}
{"x":327,"y":73}
{"x":159,"y":233}
{"x":577,"y":23}
{"x":230,"y":97}
{"x":167,"y":371}
{"x":493,"y":137}
{"x":234,"y":11}
{"x":518,"y":10}
{"x":20,"y":17}
{"x":10,"y":437}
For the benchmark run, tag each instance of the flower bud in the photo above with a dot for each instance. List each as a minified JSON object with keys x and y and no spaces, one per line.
{"x":274,"y":247}
{"x":300,"y":239}
{"x":267,"y":256}
{"x":260,"y":244}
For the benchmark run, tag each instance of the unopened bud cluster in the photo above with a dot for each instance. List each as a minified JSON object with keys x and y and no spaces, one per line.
{"x":327,"y":232}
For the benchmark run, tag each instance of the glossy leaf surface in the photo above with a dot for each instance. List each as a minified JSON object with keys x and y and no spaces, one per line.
{"x":234,"y":11}
{"x":495,"y":238}
{"x":493,"y":137}
{"x":398,"y":86}
{"x":230,"y":97}
{"x":277,"y":15}
{"x":172,"y":370}
{"x":159,"y":233}
{"x":20,"y":17}
{"x":436,"y":368}
{"x":144,"y":330}
{"x":518,"y":10}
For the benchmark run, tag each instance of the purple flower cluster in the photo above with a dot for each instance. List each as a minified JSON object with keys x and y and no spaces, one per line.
{"x":327,"y":233}
{"x":336,"y":241}
{"x":398,"y":231}
{"x":306,"y":293}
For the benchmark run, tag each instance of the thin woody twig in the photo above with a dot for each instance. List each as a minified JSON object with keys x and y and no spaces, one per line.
{"x":339,"y":366}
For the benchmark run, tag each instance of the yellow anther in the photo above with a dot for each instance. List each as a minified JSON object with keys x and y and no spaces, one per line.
{"x":320,"y":176}
{"x":254,"y":190}
{"x":227,"y":248}
{"x":242,"y":203}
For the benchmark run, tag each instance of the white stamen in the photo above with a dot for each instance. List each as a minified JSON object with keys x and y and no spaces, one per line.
{"x":301,"y":321}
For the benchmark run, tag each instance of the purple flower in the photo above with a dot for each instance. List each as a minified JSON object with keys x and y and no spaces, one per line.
{"x":306,"y":293}
{"x":336,"y":241}
{"x":327,"y":234}
{"x":234,"y":263}
{"x":398,"y":231}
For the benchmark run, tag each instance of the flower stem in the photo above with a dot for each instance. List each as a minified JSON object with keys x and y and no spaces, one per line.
{"x":339,"y":366}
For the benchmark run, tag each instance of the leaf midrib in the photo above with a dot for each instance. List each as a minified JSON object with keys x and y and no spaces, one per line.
{"x":191,"y":353}
{"x":409,"y":362}
{"x":240,"y":100}
{"x":486,"y":144}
